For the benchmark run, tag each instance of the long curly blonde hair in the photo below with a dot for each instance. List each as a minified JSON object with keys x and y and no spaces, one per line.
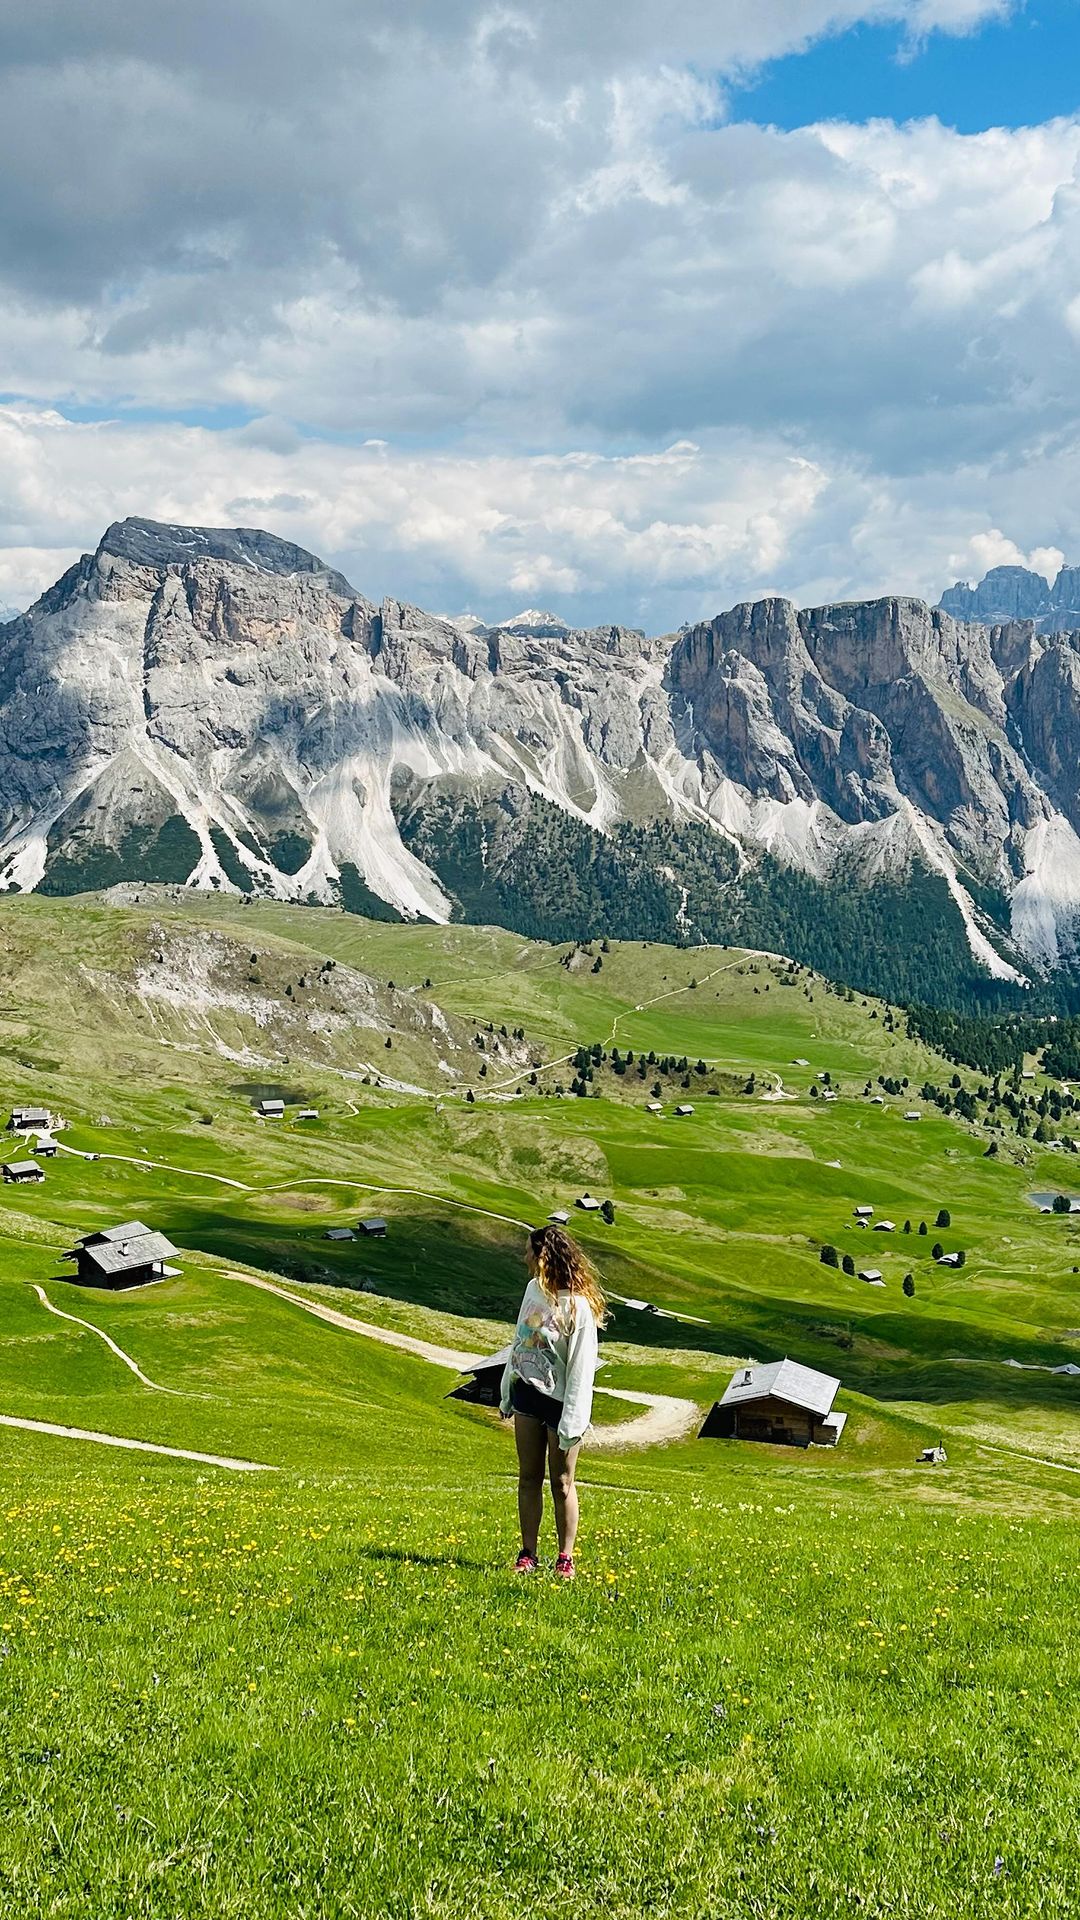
{"x":559,"y":1266}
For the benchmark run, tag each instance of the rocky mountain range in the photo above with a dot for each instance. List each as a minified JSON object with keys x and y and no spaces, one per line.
{"x":885,"y":790}
{"x":1017,"y":593}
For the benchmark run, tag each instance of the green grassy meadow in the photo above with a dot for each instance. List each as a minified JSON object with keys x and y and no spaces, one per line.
{"x":783,"y":1683}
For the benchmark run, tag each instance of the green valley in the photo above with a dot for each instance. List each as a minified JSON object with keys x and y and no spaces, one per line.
{"x":305,"y":1682}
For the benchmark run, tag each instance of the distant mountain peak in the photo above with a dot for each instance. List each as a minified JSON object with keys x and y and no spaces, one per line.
{"x":159,"y":543}
{"x":1017,"y":593}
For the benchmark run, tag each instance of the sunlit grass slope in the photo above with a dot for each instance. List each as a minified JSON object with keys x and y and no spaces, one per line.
{"x":784,"y":1684}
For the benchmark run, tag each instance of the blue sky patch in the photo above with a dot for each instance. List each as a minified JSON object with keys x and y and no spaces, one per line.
{"x":1012,"y":73}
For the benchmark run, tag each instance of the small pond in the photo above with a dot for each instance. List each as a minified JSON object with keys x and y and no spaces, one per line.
{"x":1046,"y":1200}
{"x":270,"y":1090}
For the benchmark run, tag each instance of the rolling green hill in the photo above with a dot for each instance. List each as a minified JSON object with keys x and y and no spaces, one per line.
{"x":783,"y":1683}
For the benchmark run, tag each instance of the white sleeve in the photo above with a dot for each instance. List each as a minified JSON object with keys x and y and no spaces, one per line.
{"x":580,"y":1374}
{"x":507,"y":1375}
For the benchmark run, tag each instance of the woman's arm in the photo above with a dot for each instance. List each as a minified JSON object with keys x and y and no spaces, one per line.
{"x":507,"y":1376}
{"x":580,"y":1374}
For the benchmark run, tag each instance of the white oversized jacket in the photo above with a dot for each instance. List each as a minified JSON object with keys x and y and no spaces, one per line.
{"x":555,"y":1350}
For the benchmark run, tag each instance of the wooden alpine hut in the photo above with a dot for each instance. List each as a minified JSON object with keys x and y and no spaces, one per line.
{"x":784,"y":1403}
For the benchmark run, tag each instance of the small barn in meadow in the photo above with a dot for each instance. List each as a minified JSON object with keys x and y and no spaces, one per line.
{"x":684,"y":1110}
{"x":884,"y":1226}
{"x":373,"y":1229}
{"x":45,"y":1148}
{"x":588,"y":1203}
{"x":558,"y":1219}
{"x":130,"y":1255}
{"x":950,"y":1260}
{"x":339,"y":1233}
{"x":21,"y":1172}
{"x":24,"y":1118}
{"x":863,"y":1213}
{"x":482,"y":1385}
{"x":913,"y":1115}
{"x":785,"y":1403}
{"x":872,"y":1276}
{"x":654,"y":1106}
{"x":271,"y":1109}
{"x":308,"y":1113}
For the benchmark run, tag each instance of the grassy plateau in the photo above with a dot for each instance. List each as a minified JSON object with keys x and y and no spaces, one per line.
{"x":293,"y":1676}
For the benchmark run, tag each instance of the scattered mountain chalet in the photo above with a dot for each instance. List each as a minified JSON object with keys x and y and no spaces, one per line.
{"x":873,"y":1276}
{"x":23,"y":1119}
{"x":684,"y":1110}
{"x":559,"y":1219}
{"x":588,"y":1203}
{"x":373,"y":1229}
{"x":339,"y":1233}
{"x":271,"y":1109}
{"x":483,"y":1385}
{"x":20,"y":1172}
{"x":130,"y":1255}
{"x":785,"y":1403}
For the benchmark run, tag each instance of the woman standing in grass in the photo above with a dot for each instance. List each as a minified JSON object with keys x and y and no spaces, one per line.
{"x":547,"y":1385}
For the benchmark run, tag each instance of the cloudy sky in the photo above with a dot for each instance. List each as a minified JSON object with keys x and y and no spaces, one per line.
{"x":627,"y":308}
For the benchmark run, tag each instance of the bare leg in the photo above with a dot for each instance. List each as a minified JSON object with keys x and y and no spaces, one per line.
{"x":531,"y":1439}
{"x":561,"y":1469}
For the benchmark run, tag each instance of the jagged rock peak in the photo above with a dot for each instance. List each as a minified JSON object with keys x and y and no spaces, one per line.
{"x":156,"y":543}
{"x":1018,"y":593}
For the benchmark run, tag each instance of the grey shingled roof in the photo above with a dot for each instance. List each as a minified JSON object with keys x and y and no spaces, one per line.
{"x":783,"y":1380}
{"x":127,"y":1230}
{"x":123,"y":1256}
{"x":494,"y":1360}
{"x":21,"y":1166}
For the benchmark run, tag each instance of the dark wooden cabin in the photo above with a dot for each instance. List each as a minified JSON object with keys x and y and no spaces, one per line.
{"x":483,"y":1385}
{"x":130,"y":1255}
{"x":784,"y":1403}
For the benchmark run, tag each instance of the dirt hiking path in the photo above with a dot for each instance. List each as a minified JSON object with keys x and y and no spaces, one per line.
{"x":666,"y":1418}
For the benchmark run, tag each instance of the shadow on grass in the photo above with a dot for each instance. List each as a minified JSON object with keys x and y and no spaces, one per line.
{"x":407,"y":1559}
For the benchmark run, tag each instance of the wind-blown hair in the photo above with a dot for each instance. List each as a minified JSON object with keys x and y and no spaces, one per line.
{"x":561,"y":1267}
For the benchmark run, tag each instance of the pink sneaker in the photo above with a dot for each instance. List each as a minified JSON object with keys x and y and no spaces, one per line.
{"x":564,"y":1567}
{"x":526,"y":1562}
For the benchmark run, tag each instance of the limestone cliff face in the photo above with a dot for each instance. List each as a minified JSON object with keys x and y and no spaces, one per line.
{"x":217,"y":707}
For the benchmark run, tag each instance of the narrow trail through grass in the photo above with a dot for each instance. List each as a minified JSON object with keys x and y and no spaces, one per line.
{"x":134,"y":1446}
{"x":668,"y":1417}
{"x":133,"y":1365}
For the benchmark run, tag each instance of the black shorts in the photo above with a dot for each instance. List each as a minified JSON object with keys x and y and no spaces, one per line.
{"x":536,"y":1405}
